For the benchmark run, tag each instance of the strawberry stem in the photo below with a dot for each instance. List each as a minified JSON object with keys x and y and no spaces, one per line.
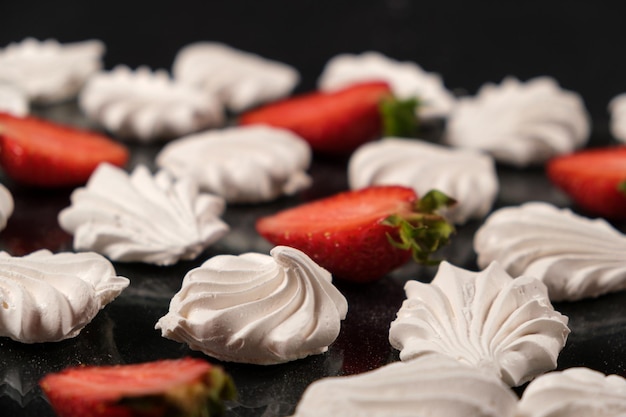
{"x":400,"y":117}
{"x":424,"y":231}
{"x":621,"y":187}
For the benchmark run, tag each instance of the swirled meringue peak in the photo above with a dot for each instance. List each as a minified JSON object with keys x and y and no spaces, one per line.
{"x":520,"y":123}
{"x":256,"y":308}
{"x":574,"y":392}
{"x":6,"y":206}
{"x":13,"y":100}
{"x":247,"y":164}
{"x":486,"y":319}
{"x":141,"y":217}
{"x":431,"y":385}
{"x":46,"y":297}
{"x":468,"y":176}
{"x":48,"y":71}
{"x":617,"y":110}
{"x":146,"y":105}
{"x":240,"y":79}
{"x":407,"y":80}
{"x":576,"y":257}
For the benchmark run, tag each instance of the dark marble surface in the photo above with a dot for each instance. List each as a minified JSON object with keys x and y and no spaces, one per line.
{"x":123,"y":332}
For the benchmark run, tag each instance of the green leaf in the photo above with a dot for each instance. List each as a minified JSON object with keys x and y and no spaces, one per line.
{"x":621,"y":187}
{"x":204,"y":398}
{"x":400,"y":117}
{"x":424,"y":231}
{"x":434,"y":200}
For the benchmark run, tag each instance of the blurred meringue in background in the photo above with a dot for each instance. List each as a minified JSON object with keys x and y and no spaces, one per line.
{"x":520,"y":123}
{"x":239,"y":79}
{"x":407,"y":80}
{"x":48,"y":71}
{"x":147,"y":105}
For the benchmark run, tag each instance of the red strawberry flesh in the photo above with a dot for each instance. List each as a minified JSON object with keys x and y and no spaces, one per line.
{"x":333,"y":123}
{"x":346,"y":210}
{"x":42,"y":153}
{"x":108,"y":390}
{"x":592,"y":178}
{"x":346,"y":233}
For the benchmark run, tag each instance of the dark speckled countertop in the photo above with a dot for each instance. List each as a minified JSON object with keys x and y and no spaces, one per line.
{"x":123,"y":332}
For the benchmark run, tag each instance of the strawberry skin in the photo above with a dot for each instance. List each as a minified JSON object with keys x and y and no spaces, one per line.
{"x":178,"y":387}
{"x":333,"y":123}
{"x":592,"y":179}
{"x":347,"y":233}
{"x":40,"y":153}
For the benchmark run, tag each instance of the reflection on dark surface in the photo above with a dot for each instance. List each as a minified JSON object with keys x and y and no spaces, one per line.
{"x":363,"y":341}
{"x":33,"y":224}
{"x":23,"y":365}
{"x":518,"y":186}
{"x":598,"y":337}
{"x":257,"y":397}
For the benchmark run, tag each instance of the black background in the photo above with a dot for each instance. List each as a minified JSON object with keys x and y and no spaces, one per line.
{"x":580,"y":43}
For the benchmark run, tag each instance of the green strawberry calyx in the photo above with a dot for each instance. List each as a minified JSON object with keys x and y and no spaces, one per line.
{"x":425,"y":230}
{"x":205,"y":398}
{"x":399,"y":117}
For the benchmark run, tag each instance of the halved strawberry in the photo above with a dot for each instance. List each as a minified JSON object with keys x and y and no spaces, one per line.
{"x":177,"y":387}
{"x":46,"y":154}
{"x":334,"y":123}
{"x":362,"y":235}
{"x":595,"y":179}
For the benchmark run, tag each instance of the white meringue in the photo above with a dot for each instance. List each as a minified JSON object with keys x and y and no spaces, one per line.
{"x":617,"y":110}
{"x":406,"y":79}
{"x":147,"y":105}
{"x":574,"y":392}
{"x":576,"y":257}
{"x":13,"y":100}
{"x":6,"y":206}
{"x":240,"y":79}
{"x":466,"y":175}
{"x":48,"y":71}
{"x":431,"y":385}
{"x":48,"y":297}
{"x":486,"y":319}
{"x":255,"y":308}
{"x":144,"y":218}
{"x":247,"y":164}
{"x":520,"y":123}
